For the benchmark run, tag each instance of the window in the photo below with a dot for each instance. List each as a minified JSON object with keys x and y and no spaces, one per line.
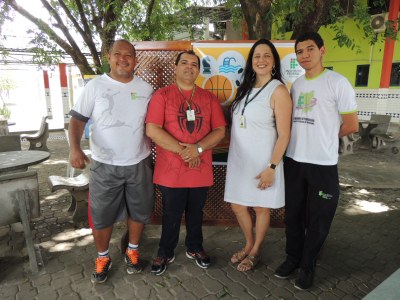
{"x":395,"y":75}
{"x":362,"y":74}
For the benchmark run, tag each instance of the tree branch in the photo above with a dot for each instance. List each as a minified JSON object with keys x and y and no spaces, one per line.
{"x":97,"y":16}
{"x":314,"y":15}
{"x":60,"y":23}
{"x":78,"y":58}
{"x":110,"y":25}
{"x":147,"y":20}
{"x":255,"y":15}
{"x":85,"y":34}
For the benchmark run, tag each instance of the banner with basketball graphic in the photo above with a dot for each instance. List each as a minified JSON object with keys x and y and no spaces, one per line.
{"x":222,"y":65}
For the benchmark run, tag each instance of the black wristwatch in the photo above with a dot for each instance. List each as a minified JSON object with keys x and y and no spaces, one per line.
{"x":272,"y":166}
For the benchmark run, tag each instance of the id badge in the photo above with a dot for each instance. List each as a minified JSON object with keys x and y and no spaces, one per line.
{"x":242,"y":121}
{"x":190,"y":115}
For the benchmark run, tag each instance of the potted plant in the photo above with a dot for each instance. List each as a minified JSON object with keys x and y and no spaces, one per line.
{"x":6,"y":85}
{"x":4,"y":112}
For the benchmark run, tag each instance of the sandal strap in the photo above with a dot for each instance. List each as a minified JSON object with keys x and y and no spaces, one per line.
{"x":248,"y":263}
{"x":253,"y":259}
{"x":240,"y":255}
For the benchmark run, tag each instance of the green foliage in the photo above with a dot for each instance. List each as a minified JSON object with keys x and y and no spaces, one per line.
{"x":139,"y":23}
{"x":237,"y":13}
{"x":6,"y":85}
{"x":336,"y":11}
{"x":362,"y":19}
{"x":342,"y":38}
{"x":165,"y":19}
{"x":285,"y":14}
{"x":84,"y":29}
{"x":45,"y":52}
{"x":4,"y":16}
{"x":4,"y":111}
{"x":289,"y":13}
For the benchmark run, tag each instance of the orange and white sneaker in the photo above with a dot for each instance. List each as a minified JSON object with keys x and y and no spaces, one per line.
{"x":102,"y":266}
{"x":132,"y":261}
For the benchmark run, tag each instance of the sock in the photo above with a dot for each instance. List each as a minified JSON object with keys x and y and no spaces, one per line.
{"x":132,"y":246}
{"x":103,"y":254}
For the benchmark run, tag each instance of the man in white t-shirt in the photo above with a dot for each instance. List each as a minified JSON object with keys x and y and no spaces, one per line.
{"x":121,"y":168}
{"x":324,"y":109}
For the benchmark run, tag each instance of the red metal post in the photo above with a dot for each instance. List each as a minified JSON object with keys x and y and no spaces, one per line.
{"x":245,"y":35}
{"x":47,"y":94}
{"x":64,"y":90}
{"x":394,"y":9}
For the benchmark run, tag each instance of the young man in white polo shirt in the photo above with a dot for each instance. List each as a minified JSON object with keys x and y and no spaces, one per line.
{"x":324,"y":109}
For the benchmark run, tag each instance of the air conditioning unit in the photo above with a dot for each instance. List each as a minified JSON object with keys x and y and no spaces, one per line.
{"x":378,"y":22}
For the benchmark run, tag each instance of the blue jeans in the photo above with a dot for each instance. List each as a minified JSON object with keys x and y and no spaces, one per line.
{"x":176,"y":201}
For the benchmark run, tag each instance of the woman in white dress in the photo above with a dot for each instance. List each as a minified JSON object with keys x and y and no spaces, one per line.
{"x":261,"y":120}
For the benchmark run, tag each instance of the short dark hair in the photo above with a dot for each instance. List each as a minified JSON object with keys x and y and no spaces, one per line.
{"x":190,"y":52}
{"x":313,"y":36}
{"x":123,"y":41}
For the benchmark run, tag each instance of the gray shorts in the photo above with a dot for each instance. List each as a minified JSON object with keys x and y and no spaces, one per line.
{"x":120,"y":191}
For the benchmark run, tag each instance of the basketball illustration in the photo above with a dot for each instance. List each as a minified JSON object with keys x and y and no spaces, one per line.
{"x":220,"y":86}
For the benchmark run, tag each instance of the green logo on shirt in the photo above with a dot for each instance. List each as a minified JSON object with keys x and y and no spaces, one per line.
{"x":306,"y":101}
{"x":324,"y":196}
{"x":293,"y":63}
{"x":134,"y":96}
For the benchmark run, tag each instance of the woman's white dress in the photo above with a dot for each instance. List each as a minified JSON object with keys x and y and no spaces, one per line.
{"x":250,"y":153}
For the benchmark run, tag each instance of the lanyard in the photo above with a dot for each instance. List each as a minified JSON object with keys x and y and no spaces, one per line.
{"x":189,"y":103}
{"x":247,"y":101}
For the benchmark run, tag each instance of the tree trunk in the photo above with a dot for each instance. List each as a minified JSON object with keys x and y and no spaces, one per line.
{"x":315,"y":14}
{"x":147,"y":21}
{"x":255,"y":12}
{"x":77,"y":56}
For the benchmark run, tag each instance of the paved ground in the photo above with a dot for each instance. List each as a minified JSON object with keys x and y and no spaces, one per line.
{"x":362,"y":249}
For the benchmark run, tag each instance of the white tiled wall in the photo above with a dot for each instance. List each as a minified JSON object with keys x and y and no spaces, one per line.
{"x":378,"y":101}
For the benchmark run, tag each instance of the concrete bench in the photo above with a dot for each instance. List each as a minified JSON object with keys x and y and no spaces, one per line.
{"x":380,"y":135}
{"x":19,"y":194}
{"x":38,"y":140}
{"x":346,"y":144}
{"x":78,"y":188}
{"x":3,"y":127}
{"x":10,"y":143}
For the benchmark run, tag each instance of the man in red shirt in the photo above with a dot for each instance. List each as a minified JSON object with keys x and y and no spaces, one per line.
{"x":185,"y":122}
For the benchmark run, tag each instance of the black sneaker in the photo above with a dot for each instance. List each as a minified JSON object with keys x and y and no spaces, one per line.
{"x":286,"y":269}
{"x":160,"y":264}
{"x":132,"y":261}
{"x":102,"y":265}
{"x":304,"y":280}
{"x":202,"y":260}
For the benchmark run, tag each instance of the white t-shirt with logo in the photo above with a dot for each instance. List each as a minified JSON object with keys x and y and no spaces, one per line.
{"x":317,"y":105}
{"x":118,"y":111}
